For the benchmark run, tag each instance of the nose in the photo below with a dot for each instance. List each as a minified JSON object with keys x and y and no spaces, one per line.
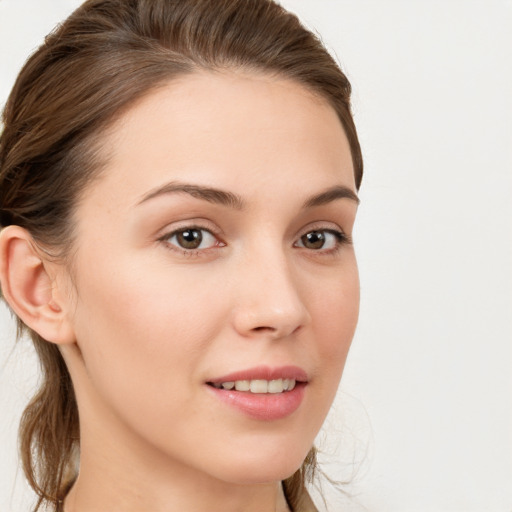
{"x":267,"y":301}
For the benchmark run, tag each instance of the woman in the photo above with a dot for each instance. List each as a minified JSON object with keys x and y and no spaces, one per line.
{"x":177,"y":191}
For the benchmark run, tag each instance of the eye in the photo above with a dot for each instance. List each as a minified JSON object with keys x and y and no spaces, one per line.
{"x":321,"y":239}
{"x":192,"y":239}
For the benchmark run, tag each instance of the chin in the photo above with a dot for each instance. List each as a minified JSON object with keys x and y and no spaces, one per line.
{"x":259,"y":469}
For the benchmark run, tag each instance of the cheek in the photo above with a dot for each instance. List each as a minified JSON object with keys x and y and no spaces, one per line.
{"x":150,"y":330}
{"x":335,"y":311}
{"x":150,"y":306}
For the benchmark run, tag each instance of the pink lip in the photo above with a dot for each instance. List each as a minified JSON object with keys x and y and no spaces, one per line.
{"x":264,"y":406}
{"x":264,"y":373}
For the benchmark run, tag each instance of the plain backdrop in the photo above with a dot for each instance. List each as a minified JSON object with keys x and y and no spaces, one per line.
{"x":423,"y":420}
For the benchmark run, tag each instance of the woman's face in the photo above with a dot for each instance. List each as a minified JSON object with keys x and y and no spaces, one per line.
{"x":215,"y":248}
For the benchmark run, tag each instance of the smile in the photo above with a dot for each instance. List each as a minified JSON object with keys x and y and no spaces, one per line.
{"x":258,"y":385}
{"x":263,"y":393}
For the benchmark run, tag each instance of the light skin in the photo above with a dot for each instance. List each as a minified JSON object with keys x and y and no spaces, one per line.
{"x":264,"y":175}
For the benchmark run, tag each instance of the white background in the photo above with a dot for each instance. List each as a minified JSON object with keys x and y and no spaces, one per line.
{"x":424,"y":419}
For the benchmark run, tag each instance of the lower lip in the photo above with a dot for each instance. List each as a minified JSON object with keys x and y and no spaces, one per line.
{"x":263,"y":406}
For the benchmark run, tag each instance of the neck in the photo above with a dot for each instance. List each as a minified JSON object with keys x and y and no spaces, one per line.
{"x":119,"y":472}
{"x":98,"y":495}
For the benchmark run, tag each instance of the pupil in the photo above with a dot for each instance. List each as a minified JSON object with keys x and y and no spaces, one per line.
{"x":314,"y":240}
{"x":190,"y":238}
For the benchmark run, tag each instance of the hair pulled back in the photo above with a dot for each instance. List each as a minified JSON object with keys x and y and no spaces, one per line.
{"x":90,"y":69}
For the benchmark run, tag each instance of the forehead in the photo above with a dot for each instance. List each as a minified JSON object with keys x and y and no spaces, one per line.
{"x":227,"y":129}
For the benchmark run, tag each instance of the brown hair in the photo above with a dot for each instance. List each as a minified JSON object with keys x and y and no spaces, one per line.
{"x":106,"y":55}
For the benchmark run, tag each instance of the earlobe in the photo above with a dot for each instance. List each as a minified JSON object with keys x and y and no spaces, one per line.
{"x":30,"y":289}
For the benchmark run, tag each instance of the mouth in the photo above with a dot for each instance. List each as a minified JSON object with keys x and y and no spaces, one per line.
{"x":262,"y":393}
{"x":258,"y":386}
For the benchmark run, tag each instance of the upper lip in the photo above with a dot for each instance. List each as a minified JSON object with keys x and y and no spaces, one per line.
{"x":264,"y":373}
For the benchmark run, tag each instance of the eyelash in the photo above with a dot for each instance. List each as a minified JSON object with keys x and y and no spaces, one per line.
{"x":341,"y":239}
{"x":190,"y":252}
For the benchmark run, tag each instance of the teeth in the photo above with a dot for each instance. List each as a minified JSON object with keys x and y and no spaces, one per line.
{"x":259,"y":385}
{"x":243,"y":385}
{"x":275,"y":386}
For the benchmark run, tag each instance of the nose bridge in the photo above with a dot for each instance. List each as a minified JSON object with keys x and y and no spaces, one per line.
{"x":268,"y":298}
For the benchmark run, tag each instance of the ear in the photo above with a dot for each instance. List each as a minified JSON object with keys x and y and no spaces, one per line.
{"x":29,"y":286}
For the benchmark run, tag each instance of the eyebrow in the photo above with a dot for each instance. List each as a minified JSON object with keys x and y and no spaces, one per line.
{"x":232,"y":200}
{"x":210,"y":194}
{"x":330,"y":195}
